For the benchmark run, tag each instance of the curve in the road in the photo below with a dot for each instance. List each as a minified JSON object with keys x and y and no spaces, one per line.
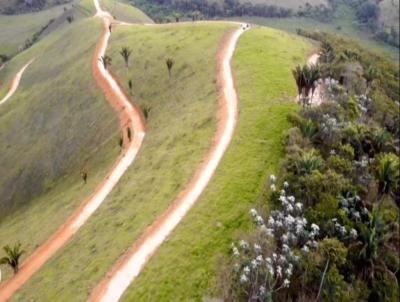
{"x":15,"y":82}
{"x":130,"y":117}
{"x":132,"y":262}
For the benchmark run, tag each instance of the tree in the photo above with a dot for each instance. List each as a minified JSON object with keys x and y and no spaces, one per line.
{"x":377,"y":243}
{"x":170,"y":63}
{"x":12,"y":256}
{"x":370,"y":74}
{"x":84,"y":176}
{"x":130,"y":85}
{"x":299,"y":79}
{"x":306,"y":78}
{"x":326,"y":54}
{"x":129,"y":133}
{"x":387,"y":174}
{"x":106,"y":60}
{"x":312,"y":78}
{"x":146,"y":110}
{"x":368,"y":12}
{"x":308,"y":162}
{"x":177,"y":17}
{"x":126,"y":53}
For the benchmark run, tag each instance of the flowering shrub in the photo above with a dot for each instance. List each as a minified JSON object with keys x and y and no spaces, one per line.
{"x":266,"y":266}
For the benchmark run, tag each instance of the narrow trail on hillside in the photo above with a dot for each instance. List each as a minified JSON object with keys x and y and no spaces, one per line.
{"x":15,"y":82}
{"x":129,"y":266}
{"x":130,"y":117}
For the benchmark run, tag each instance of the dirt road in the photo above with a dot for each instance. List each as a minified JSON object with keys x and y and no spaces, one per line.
{"x":130,"y":117}
{"x":131,"y":264}
{"x":15,"y":82}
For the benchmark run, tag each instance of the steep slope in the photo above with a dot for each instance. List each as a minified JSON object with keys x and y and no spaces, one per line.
{"x":343,"y":24}
{"x":123,"y":11}
{"x":184,"y":268}
{"x":129,"y":266}
{"x":133,"y":132}
{"x":181,"y":125}
{"x":73,"y":131}
{"x":18,"y":6}
{"x":15,"y":83}
{"x":15,"y":30}
{"x":56,"y":125}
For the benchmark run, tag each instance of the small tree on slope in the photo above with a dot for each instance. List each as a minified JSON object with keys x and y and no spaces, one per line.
{"x":12,"y":256}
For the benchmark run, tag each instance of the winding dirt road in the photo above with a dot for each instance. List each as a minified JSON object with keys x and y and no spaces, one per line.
{"x":130,"y":117}
{"x":130,"y":265}
{"x":15,"y":82}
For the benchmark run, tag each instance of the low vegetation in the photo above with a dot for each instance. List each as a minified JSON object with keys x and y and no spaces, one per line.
{"x":342,"y":171}
{"x":169,"y":11}
{"x":13,"y":254}
{"x":370,"y":15}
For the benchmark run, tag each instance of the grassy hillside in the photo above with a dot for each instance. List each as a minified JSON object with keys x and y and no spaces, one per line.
{"x":184,"y":268}
{"x":180,"y":129}
{"x":18,"y":6}
{"x":16,"y":29}
{"x":342,"y":24}
{"x":123,"y":11}
{"x":57,"y":124}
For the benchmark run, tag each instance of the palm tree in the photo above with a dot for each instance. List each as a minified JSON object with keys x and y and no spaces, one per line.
{"x":177,"y":17}
{"x":326,"y":54}
{"x":170,"y":63}
{"x":130,"y":85}
{"x":306,"y":78}
{"x":146,"y":110}
{"x":388,"y":174}
{"x":299,"y":79}
{"x":370,"y":74}
{"x":377,"y":242}
{"x":106,"y":60}
{"x":125,"y":53}
{"x":312,"y":78}
{"x":381,"y":140}
{"x":308,"y":162}
{"x":13,"y":255}
{"x":309,"y":129}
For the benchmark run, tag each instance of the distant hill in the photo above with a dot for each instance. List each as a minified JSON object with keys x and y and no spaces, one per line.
{"x":11,"y":7}
{"x":389,"y":13}
{"x":292,"y":4}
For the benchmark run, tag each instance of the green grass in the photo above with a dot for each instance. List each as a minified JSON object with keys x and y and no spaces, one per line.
{"x":16,"y":29}
{"x":184,"y":268}
{"x":125,"y":12}
{"x":342,"y":24}
{"x":56,"y":124}
{"x":180,"y":130}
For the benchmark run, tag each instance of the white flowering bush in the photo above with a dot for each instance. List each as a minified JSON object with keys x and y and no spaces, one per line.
{"x":363,"y":103}
{"x":266,"y":266}
{"x":330,"y":129}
